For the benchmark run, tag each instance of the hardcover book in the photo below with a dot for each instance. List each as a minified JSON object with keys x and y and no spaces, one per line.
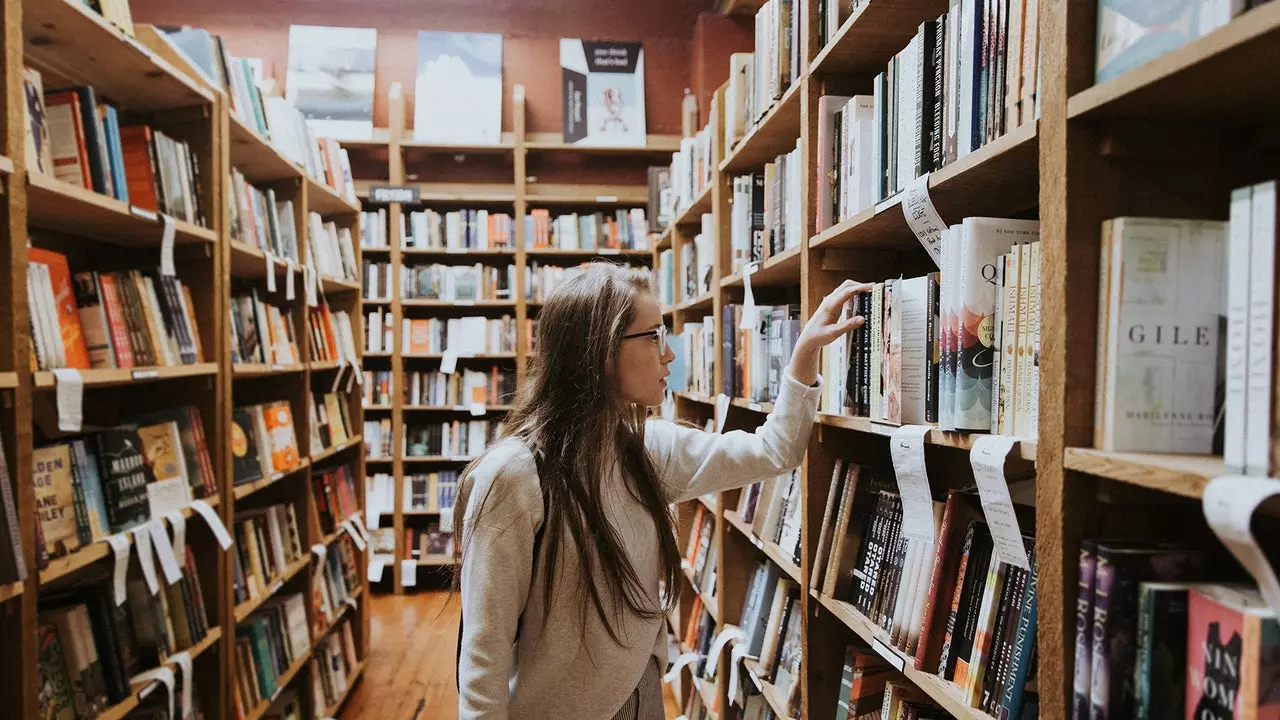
{"x":1233,"y":646}
{"x":125,"y":477}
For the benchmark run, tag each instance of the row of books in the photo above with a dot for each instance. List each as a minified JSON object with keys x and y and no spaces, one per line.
{"x":90,"y":647}
{"x":377,"y":387}
{"x":1202,"y":263}
{"x":621,"y":230}
{"x":259,"y":220}
{"x":13,"y":565}
{"x":330,"y":421}
{"x":334,"y":492}
{"x":433,"y":388}
{"x":701,"y":554}
{"x":261,"y":332}
{"x":379,"y":440}
{"x":427,"y":542}
{"x":264,"y":441}
{"x":698,"y":259}
{"x":691,"y":172}
{"x":951,"y":604}
{"x":268,"y":541}
{"x":754,"y":359}
{"x":472,"y":335}
{"x":456,"y":438}
{"x":373,"y":229}
{"x":73,"y":137}
{"x":330,"y":251}
{"x":541,"y":279}
{"x":333,"y":663}
{"x":457,"y":283}
{"x":766,"y":211}
{"x":332,"y":339}
{"x":665,"y":278}
{"x":693,"y":369}
{"x":434,"y":492}
{"x":98,"y":320}
{"x":1157,"y":636}
{"x":771,"y":618}
{"x":772,"y":509}
{"x":336,"y":585}
{"x":268,"y":643}
{"x":116,"y":479}
{"x":758,"y":79}
{"x":456,"y":230}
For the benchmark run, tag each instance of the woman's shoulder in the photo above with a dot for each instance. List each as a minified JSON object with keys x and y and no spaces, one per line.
{"x":507,"y":477}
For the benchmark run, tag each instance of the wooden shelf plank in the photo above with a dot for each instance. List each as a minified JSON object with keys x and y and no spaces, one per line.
{"x":8,"y":380}
{"x":554,"y":142}
{"x":1185,"y":475}
{"x":325,"y":200}
{"x":478,"y":356}
{"x":246,"y":608}
{"x":1229,"y":74}
{"x":506,"y":144}
{"x":87,"y":555}
{"x":334,"y":285}
{"x":352,"y":678}
{"x":124,"y":707}
{"x":770,"y":549}
{"x":461,"y":304}
{"x":598,"y":252}
{"x":251,"y":262}
{"x":326,"y":454}
{"x":246,"y":489}
{"x":943,"y":692}
{"x":752,"y":405}
{"x":56,"y":205}
{"x":11,"y":591}
{"x":774,"y":135}
{"x":435,"y":561}
{"x":706,"y":301}
{"x":781,"y":269}
{"x":438,"y":459}
{"x":323,"y":365}
{"x":281,"y":683}
{"x":450,"y":408}
{"x":998,"y":179}
{"x":76,"y":46}
{"x":467,"y":252}
{"x":254,"y":370}
{"x":1025,"y":449}
{"x":556,"y":194}
{"x":770,"y":691}
{"x":692,"y":215}
{"x":696,"y":397}
{"x":475,"y":193}
{"x":379,"y":459}
{"x":255,"y":156}
{"x":873,"y":34}
{"x":128,"y":376}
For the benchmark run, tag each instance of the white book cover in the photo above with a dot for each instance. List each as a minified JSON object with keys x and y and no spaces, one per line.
{"x":458,"y":91}
{"x":862,"y":191}
{"x":829,"y":108}
{"x":965,"y":70}
{"x":1235,"y":432}
{"x":946,"y":332}
{"x":1027,"y":403}
{"x":1262,"y":323}
{"x":1162,"y":362}
{"x":603,"y":100}
{"x":913,"y":313}
{"x":331,"y":79}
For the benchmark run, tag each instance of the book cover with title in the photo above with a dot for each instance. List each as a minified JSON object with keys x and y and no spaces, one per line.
{"x":603,"y":101}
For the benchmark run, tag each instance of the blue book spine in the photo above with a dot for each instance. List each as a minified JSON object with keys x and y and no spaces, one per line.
{"x":1023,"y":653}
{"x":115,"y":153}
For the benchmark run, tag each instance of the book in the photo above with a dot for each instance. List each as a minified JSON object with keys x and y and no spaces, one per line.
{"x":36,"y":124}
{"x":458,"y":90}
{"x":335,"y":98}
{"x":1159,"y":669}
{"x":602,"y":93}
{"x":1231,"y":646}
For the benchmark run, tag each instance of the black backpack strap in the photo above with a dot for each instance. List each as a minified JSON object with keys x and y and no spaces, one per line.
{"x":537,"y":547}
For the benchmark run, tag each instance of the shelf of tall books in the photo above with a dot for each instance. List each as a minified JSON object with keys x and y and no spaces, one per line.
{"x":460,"y":246}
{"x":182,"y":459}
{"x":1066,"y":229}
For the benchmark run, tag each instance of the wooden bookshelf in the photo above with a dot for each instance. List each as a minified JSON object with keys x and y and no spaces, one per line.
{"x":774,"y":134}
{"x":129,"y":376}
{"x":246,"y":608}
{"x":57,"y":205}
{"x":352,"y":677}
{"x":781,"y":269}
{"x":282,"y":682}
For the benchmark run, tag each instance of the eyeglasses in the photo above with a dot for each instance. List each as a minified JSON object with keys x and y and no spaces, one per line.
{"x":659,"y":332}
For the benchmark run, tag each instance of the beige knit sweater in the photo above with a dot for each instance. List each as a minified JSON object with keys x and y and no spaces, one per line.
{"x":567,"y":671}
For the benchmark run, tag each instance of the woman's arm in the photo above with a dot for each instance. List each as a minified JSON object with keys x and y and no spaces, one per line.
{"x":503,"y":513}
{"x":694,"y":462}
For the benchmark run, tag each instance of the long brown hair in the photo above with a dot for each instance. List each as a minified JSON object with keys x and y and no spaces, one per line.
{"x":571,"y":417}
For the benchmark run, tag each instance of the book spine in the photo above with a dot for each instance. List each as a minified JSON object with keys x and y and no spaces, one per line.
{"x":116,"y":322}
{"x":1235,"y":435}
{"x":1262,"y":276}
{"x":1084,"y":633}
{"x":1022,"y":654}
{"x":937,"y":92}
{"x":1100,"y":693}
{"x":997,"y":345}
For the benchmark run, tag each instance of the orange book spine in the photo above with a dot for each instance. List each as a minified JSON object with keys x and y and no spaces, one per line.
{"x":139,"y":167}
{"x":116,"y":322}
{"x":64,"y":300}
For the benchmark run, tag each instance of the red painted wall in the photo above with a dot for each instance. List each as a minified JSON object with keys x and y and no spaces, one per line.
{"x":531,"y":32}
{"x":715,"y":38}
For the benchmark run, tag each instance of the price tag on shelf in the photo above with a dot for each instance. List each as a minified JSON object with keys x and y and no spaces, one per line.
{"x":163,"y":547}
{"x":722,"y":411}
{"x":449,"y":362}
{"x":988,"y":458}
{"x":214,"y":522}
{"x":143,"y":213}
{"x":606,"y":198}
{"x":179,"y":526}
{"x":748,"y":321}
{"x":183,"y":661}
{"x":146,"y":558}
{"x":446,"y":519}
{"x":454,"y":250}
{"x":145,"y":374}
{"x":685,"y":659}
{"x":754,"y":406}
{"x":358,"y":522}
{"x":271,"y":272}
{"x":477,"y":409}
{"x":320,"y":551}
{"x":610,"y":251}
{"x":1229,"y":504}
{"x":408,"y":572}
{"x":377,"y":564}
{"x":740,"y":653}
{"x":922,"y":218}
{"x":906,"y":448}
{"x":120,"y":549}
{"x":166,"y":247}
{"x":69,"y":386}
{"x":464,"y":303}
{"x":355,"y":536}
{"x":357,"y":372}
{"x":290,"y":292}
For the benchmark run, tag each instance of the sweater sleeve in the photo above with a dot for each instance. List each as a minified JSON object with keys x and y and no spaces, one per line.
{"x":502,"y":517}
{"x":693,"y":462}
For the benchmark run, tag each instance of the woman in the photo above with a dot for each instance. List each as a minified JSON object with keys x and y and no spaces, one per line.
{"x":577,"y":632}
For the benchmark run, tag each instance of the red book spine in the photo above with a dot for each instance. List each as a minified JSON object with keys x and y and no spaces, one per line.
{"x":115,"y":321}
{"x":202,"y":451}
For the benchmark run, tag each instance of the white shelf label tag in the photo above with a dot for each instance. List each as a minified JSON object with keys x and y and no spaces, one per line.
{"x":142,"y":213}
{"x":449,"y":362}
{"x":906,"y":448}
{"x":923,"y":219}
{"x":377,"y":564}
{"x":271,"y":272}
{"x":179,"y":525}
{"x":120,"y":548}
{"x":320,"y":551}
{"x":183,"y":661}
{"x":408,"y":572}
{"x":722,"y":411}
{"x":740,"y":653}
{"x":290,"y":292}
{"x":888,"y":653}
{"x":729,"y":634}
{"x":162,"y":675}
{"x":477,"y":409}
{"x":146,"y":558}
{"x":988,"y":458}
{"x":69,"y":385}
{"x":166,"y":247}
{"x":353,"y":534}
{"x":606,"y":198}
{"x":214,"y":522}
{"x":683,"y":660}
{"x":145,"y":374}
{"x":748,"y":321}
{"x":163,"y":548}
{"x":1229,"y":505}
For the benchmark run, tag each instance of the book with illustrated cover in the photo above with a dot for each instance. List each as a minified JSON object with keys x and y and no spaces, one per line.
{"x":125,"y":477}
{"x":1233,"y":641}
{"x":39,"y":151}
{"x":169,"y":490}
{"x":603,"y":93}
{"x":245,"y":464}
{"x":74,"y":353}
{"x":55,"y":500}
{"x":278,"y":420}
{"x":330,"y":79}
{"x":458,"y":92}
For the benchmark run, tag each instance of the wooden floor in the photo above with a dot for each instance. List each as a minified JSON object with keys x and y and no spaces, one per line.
{"x":410,"y":675}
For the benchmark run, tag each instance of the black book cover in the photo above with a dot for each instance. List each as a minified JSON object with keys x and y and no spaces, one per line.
{"x":757,"y":216}
{"x":932,"y":355}
{"x":975,"y":582}
{"x":12,"y":566}
{"x":924,"y":72}
{"x":125,"y":476}
{"x":245,"y":466}
{"x":95,"y":142}
{"x":110,"y":657}
{"x":953,"y":611}
{"x":1008,"y":604}
{"x":727,"y":335}
{"x":939,"y":90}
{"x":869,"y":552}
{"x":864,"y":409}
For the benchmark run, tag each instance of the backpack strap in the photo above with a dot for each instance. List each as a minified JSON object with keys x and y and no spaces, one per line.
{"x":537,"y":547}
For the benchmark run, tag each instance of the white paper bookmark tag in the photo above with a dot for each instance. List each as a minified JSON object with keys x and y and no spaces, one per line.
{"x":408,"y":572}
{"x":358,"y":522}
{"x":350,"y":378}
{"x":922,"y":218}
{"x":214,"y":522}
{"x":988,"y":458}
{"x":1229,"y":504}
{"x":271,"y":272}
{"x":337,"y":379}
{"x":446,"y":519}
{"x":888,"y":653}
{"x":163,"y":548}
{"x":906,"y":448}
{"x":162,"y":675}
{"x":69,"y":387}
{"x":120,"y":548}
{"x":740,"y":652}
{"x":143,"y":212}
{"x":179,"y":525}
{"x":290,"y":292}
{"x":183,"y":661}
{"x":373,"y":515}
{"x":729,"y":634}
{"x":477,"y":409}
{"x":355,"y":536}
{"x":748,"y":321}
{"x":356,"y":372}
{"x":146,"y":558}
{"x":376,"y":566}
{"x":166,"y":247}
{"x":309,"y":279}
{"x":351,"y":602}
{"x":320,"y":551}
{"x":674,"y":672}
{"x":449,"y":362}
{"x":722,"y":411}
